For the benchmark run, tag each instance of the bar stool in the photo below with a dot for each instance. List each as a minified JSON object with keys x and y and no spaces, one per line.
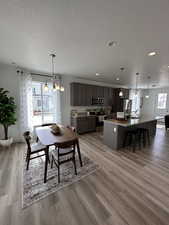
{"x":144,"y":135}
{"x":132,"y":136}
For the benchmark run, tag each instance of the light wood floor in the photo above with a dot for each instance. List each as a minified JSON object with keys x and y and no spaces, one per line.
{"x":129,"y":189}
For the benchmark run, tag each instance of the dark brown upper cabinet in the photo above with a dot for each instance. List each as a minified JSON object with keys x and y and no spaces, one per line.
{"x":74,"y":94}
{"x":82,"y":94}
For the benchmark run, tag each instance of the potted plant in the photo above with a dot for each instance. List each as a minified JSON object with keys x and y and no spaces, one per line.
{"x":7,"y":115}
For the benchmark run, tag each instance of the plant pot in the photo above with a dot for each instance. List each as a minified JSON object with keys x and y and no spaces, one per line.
{"x":6,"y":143}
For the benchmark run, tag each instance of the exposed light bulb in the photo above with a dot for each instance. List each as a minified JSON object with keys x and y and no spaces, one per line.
{"x":62,"y":89}
{"x":46,"y":88}
{"x":54,"y":86}
{"x":121,"y":94}
{"x":57,"y":87}
{"x":152,"y":53}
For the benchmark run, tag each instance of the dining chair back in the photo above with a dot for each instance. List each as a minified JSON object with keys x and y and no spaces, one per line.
{"x":27,"y":137}
{"x":65,"y":152}
{"x":48,"y":124}
{"x":32,"y":149}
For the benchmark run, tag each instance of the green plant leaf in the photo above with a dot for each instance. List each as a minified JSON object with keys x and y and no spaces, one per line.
{"x":7,"y":109}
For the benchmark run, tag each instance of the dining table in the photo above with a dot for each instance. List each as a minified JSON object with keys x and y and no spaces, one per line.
{"x":48,"y":138}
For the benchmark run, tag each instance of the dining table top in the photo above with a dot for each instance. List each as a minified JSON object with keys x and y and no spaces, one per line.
{"x":47,"y":138}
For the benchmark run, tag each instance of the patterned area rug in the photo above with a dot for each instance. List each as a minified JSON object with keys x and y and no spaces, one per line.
{"x":34,"y":188}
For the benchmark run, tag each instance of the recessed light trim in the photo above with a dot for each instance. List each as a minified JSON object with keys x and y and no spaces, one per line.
{"x":152,"y":53}
{"x":112,"y":43}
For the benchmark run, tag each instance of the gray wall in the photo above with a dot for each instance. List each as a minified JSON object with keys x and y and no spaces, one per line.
{"x":149,"y":105}
{"x":9,"y":81}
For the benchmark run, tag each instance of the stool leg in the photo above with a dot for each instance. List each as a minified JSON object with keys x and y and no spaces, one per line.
{"x":144,"y":139}
{"x":148,"y":137}
{"x":130,"y":139}
{"x":134,"y":142}
{"x":125,"y":140}
{"x":139,"y":139}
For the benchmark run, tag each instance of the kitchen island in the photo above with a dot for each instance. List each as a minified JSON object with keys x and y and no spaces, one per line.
{"x":115,"y":130}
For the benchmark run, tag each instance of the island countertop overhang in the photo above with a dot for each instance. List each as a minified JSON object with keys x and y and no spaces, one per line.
{"x":130,"y":122}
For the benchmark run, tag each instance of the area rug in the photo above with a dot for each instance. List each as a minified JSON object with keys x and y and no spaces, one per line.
{"x":34,"y":188}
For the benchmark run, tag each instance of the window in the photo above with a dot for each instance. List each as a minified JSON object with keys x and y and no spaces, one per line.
{"x":162,"y":101}
{"x":135,"y":103}
{"x":43,"y":104}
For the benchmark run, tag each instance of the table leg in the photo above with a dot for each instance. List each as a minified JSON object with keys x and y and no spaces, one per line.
{"x":46,"y":163}
{"x":79,"y":153}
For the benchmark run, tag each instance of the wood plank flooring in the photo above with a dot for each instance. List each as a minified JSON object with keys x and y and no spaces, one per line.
{"x":128,"y":189}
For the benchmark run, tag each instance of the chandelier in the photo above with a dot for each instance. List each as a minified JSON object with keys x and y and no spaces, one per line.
{"x":121,"y":92}
{"x":56,"y":81}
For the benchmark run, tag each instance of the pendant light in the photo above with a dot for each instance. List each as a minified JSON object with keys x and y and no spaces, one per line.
{"x":148,"y":90}
{"x":56,"y":81}
{"x":121,"y":92}
{"x":136,"y":89}
{"x":135,"y":97}
{"x":53,"y":76}
{"x":46,"y":88}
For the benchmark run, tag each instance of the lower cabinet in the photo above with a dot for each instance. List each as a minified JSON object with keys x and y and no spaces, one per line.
{"x":84,"y":124}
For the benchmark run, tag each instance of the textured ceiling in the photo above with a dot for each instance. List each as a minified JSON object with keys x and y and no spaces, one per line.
{"x":78,"y":32}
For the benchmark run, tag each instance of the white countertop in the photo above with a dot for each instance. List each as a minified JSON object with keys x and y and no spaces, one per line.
{"x":130,"y":122}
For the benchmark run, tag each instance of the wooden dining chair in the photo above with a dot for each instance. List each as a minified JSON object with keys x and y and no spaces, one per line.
{"x":65,"y":152}
{"x":77,"y":144}
{"x":33,"y":149}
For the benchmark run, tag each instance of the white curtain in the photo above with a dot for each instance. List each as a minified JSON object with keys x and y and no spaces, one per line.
{"x":135,"y":96}
{"x":57,"y":106}
{"x":26,"y":108}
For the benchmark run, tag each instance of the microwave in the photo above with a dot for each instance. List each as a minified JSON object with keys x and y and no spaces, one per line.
{"x":98,"y":101}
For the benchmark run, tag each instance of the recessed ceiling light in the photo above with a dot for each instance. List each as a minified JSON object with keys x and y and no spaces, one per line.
{"x":168,"y":66}
{"x":117,"y":78}
{"x":97,"y":74}
{"x":112,"y":43}
{"x":152,"y":53}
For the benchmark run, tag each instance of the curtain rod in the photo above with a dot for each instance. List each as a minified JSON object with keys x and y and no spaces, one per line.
{"x":42,"y":75}
{"x":45,"y":75}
